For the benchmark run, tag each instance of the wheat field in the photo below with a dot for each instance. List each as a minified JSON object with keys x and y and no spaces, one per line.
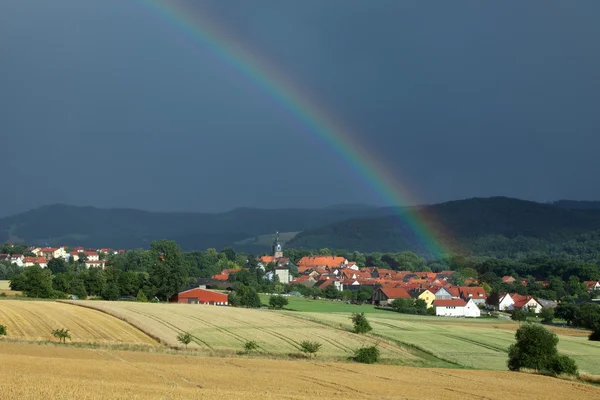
{"x":35,"y":320}
{"x":62,"y":372}
{"x":227,"y":329}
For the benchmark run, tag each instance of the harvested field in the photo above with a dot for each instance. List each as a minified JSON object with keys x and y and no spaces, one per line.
{"x":227,"y":329}
{"x":35,"y":320}
{"x":62,"y":372}
{"x":479,"y":344}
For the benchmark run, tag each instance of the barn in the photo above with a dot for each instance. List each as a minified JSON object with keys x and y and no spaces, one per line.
{"x":200,"y":296}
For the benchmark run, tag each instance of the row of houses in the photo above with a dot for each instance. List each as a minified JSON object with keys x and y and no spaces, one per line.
{"x":42,"y":255}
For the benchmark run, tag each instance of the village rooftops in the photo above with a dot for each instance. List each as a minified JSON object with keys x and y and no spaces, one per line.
{"x":450,"y":303}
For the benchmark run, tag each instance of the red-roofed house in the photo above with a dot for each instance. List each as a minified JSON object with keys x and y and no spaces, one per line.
{"x":386,"y":295}
{"x":508,"y":279}
{"x":95,"y":263}
{"x":320,"y":261}
{"x":17,"y":259}
{"x":447,"y":293}
{"x":92,"y":255}
{"x":200,"y":296}
{"x":30,"y":261}
{"x":592,"y":285}
{"x":476,"y":293}
{"x":526,"y":303}
{"x":456,"y":308}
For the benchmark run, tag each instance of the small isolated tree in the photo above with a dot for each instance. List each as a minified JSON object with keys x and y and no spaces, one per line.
{"x":595,"y":335}
{"x":535,"y":349}
{"x":361,"y":325}
{"x":2,"y":330}
{"x":61,"y":334}
{"x":184,"y":338}
{"x":141,"y":296}
{"x":250,"y":345}
{"x":309,"y":347}
{"x":278,"y":301}
{"x":547,"y":315}
{"x":367,"y":355}
{"x":518,"y":315}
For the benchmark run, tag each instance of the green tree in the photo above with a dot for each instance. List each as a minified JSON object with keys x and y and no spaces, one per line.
{"x":518,"y":315}
{"x":57,"y":266}
{"x":360,"y":322}
{"x":547,"y":315}
{"x":367,"y":355}
{"x":38,"y":282}
{"x":111,"y":292}
{"x":61,"y":334}
{"x":250,"y":345}
{"x":167,"y":272}
{"x":535,"y":348}
{"x":566,"y":311}
{"x":185,"y":338}
{"x":141,"y":296}
{"x":2,"y":330}
{"x":77,"y":287}
{"x":278,"y":301}
{"x":309,"y":347}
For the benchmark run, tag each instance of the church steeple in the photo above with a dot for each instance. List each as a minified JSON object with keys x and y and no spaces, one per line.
{"x":277,"y":249}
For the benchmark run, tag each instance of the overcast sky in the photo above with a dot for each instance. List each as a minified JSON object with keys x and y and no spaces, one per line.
{"x":103,"y":103}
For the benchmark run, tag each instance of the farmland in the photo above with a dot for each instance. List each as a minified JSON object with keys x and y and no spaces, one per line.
{"x":63,"y":372}
{"x":35,"y":320}
{"x":480,"y":344}
{"x":224,"y":330}
{"x":309,"y":305}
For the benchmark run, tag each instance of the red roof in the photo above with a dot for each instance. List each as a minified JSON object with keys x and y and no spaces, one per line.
{"x":221,"y":277}
{"x":90,"y":253}
{"x":202,"y":295}
{"x":450,"y":303}
{"x":395,"y":293}
{"x":473,"y":292}
{"x":314,"y":261}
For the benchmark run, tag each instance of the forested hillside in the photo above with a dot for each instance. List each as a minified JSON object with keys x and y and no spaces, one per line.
{"x":493,"y":226}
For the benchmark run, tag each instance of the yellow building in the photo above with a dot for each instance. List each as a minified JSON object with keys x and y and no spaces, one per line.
{"x":427,"y":297}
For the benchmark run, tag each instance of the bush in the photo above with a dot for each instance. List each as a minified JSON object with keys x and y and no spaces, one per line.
{"x":3,"y":330}
{"x":2,"y":294}
{"x":547,"y":315}
{"x":562,"y":364}
{"x":141,"y":296}
{"x":518,"y":315}
{"x":278,"y":301}
{"x":250,"y":345}
{"x":595,"y":335}
{"x":61,"y":334}
{"x":361,"y":324}
{"x":310,"y":348}
{"x":535,"y":348}
{"x":367,"y":355}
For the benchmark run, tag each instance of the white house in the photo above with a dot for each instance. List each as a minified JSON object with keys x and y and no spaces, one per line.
{"x":17,"y":259}
{"x":456,"y":308}
{"x":509,"y":302}
{"x":506,"y":303}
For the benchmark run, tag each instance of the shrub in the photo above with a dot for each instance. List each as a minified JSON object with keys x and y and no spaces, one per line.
{"x":62,"y":334}
{"x":361,"y":324}
{"x":518,"y":315}
{"x":595,"y":335}
{"x":535,"y":348}
{"x":547,"y":315}
{"x":309,"y":347}
{"x":185,"y":338}
{"x":562,"y":364}
{"x":3,"y":330}
{"x":278,"y":301}
{"x":2,"y":294}
{"x":250,"y":345}
{"x":367,"y":355}
{"x":141,"y":296}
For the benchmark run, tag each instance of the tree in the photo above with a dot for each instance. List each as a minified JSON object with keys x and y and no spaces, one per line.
{"x":331,"y":292}
{"x":185,"y":338}
{"x":2,"y":330}
{"x":77,"y":287}
{"x":111,"y":292}
{"x":547,"y":315}
{"x":247,"y":297}
{"x":167,"y":272}
{"x":367,"y":355}
{"x":361,"y":324}
{"x":278,"y":301}
{"x":518,"y":315}
{"x":250,"y":345}
{"x":535,"y":348}
{"x":566,"y":311}
{"x":37,"y":282}
{"x":57,"y":265}
{"x":309,"y":347}
{"x":62,"y":334}
{"x":141,"y":296}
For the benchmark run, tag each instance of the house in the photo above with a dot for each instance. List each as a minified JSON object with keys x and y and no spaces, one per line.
{"x":329,"y":262}
{"x":30,"y":261}
{"x":547,"y":303}
{"x":386,"y":295}
{"x":477,"y":293}
{"x":17,"y":259}
{"x":526,"y":303}
{"x":4,"y":257}
{"x":92,"y":255}
{"x":592,"y":285}
{"x":52,"y":252}
{"x":506,"y":302}
{"x":95,"y":263}
{"x":305,"y":280}
{"x":423,"y":294}
{"x":200,"y":296}
{"x":456,"y":308}
{"x":447,"y":293}
{"x":508,"y":279}
{"x":325,"y":282}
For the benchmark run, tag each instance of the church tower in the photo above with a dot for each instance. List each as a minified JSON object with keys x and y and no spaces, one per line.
{"x":277,"y":249}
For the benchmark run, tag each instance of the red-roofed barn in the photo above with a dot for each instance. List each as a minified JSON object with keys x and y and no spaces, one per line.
{"x":200,"y":296}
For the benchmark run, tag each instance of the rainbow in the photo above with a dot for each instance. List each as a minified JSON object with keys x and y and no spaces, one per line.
{"x":204,"y":31}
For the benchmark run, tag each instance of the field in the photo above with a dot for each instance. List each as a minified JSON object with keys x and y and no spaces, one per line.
{"x":35,"y":320}
{"x":58,"y":372}
{"x":480,"y":344}
{"x":308,"y":305}
{"x":224,"y":330}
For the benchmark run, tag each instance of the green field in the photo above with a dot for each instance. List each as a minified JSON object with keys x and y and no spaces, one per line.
{"x":327,"y":306}
{"x":471,"y":343}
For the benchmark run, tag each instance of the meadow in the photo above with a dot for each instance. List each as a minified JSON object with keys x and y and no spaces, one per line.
{"x":63,"y":372}
{"x":35,"y":320}
{"x":472,"y":343}
{"x":308,"y":305}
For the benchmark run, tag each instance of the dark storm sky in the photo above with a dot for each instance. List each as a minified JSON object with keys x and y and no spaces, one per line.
{"x":104,"y":104}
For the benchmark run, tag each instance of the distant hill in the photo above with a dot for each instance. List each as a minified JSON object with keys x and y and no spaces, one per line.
{"x":126,"y":228}
{"x":479,"y":225}
{"x":577,"y":205}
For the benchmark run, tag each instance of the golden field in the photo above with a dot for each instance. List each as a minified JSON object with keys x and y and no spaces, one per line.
{"x":30,"y":371}
{"x":35,"y":320}
{"x":221,"y":329}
